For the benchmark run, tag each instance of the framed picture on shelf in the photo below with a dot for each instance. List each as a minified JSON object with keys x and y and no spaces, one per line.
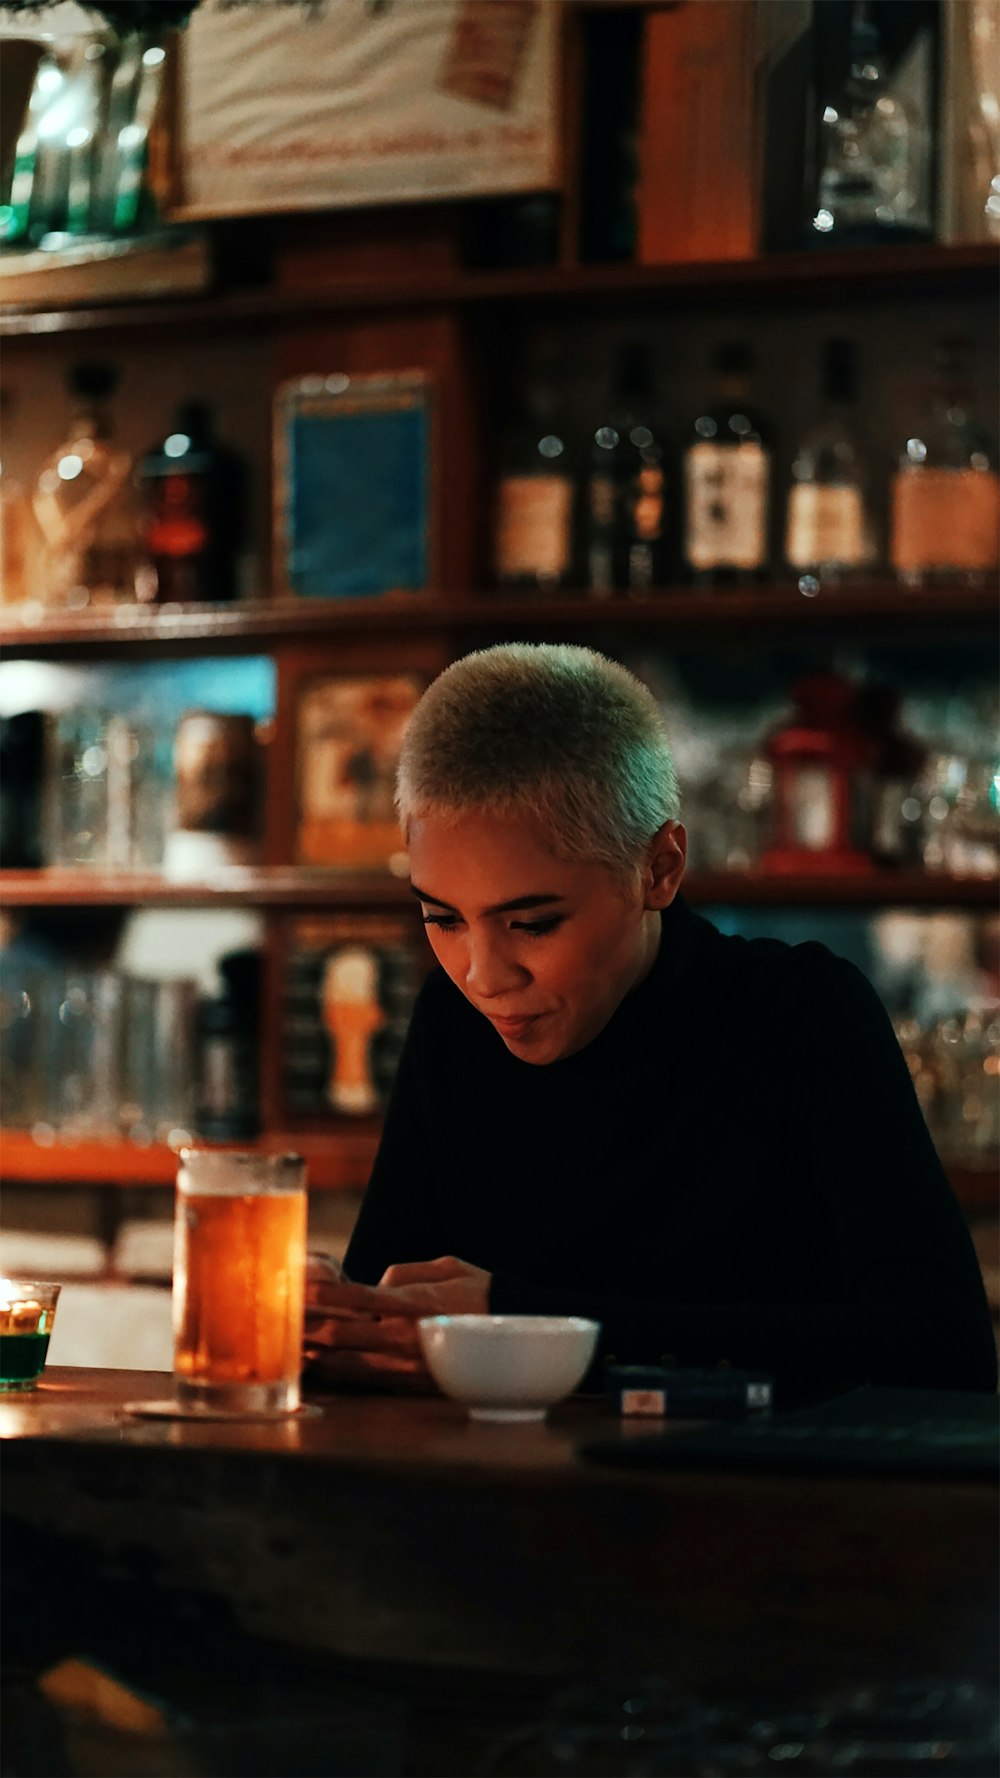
{"x":350,"y":983}
{"x":353,"y":485}
{"x":349,"y":728}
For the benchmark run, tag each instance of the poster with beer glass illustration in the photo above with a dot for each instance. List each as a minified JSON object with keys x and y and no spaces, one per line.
{"x":349,"y":989}
{"x":349,"y":735}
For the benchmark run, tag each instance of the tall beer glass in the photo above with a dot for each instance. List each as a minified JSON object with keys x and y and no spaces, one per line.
{"x":239,"y":1280}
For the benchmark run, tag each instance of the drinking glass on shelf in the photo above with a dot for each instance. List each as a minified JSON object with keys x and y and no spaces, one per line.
{"x":158,"y":1071}
{"x":239,"y":1281}
{"x":728,"y":812}
{"x":955,"y":1064}
{"x":76,"y":809}
{"x":84,"y":1041}
{"x":940,"y":786}
{"x":23,"y":1082}
{"x":974,"y":838}
{"x":969,"y":1117}
{"x":108,"y":791}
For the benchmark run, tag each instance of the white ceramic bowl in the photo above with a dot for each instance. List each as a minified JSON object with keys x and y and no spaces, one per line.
{"x":508,"y":1367}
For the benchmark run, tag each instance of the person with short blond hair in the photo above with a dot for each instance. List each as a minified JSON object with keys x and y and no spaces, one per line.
{"x":558,"y":734}
{"x":605,"y":1107}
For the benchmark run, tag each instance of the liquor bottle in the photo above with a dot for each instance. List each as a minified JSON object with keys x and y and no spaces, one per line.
{"x":873,"y":160}
{"x":828,"y":530}
{"x":228,"y":1029}
{"x":84,"y":505}
{"x":535,"y":489}
{"x":626,"y":512}
{"x":727,"y":481}
{"x":192,"y":496}
{"x":22,"y":768}
{"x":898,"y":760}
{"x":18,"y":535}
{"x":945,"y":490}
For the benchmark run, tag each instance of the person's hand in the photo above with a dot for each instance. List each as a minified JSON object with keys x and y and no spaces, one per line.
{"x":322,"y":1271}
{"x":367,"y":1334}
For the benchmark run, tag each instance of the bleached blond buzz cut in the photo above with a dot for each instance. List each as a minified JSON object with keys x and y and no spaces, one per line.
{"x":546,"y":731}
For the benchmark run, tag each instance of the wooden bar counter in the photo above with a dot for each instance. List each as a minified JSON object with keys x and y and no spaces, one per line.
{"x":394,"y":1530}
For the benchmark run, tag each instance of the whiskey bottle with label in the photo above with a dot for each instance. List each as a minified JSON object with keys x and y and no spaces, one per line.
{"x":727,"y":481}
{"x":535,"y":488}
{"x":945,"y":490}
{"x":626,"y":507}
{"x":828,"y":528}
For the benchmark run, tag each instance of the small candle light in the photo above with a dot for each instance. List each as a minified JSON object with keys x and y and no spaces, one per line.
{"x":27,"y":1311}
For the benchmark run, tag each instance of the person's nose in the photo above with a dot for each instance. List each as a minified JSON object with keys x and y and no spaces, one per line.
{"x":491,"y":970}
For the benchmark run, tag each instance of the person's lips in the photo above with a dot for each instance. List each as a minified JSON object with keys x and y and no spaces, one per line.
{"x":511,"y":1027}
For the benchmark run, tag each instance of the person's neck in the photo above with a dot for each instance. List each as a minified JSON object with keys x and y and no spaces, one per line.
{"x":652,"y":934}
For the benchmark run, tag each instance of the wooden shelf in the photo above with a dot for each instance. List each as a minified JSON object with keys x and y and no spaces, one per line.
{"x":279,"y":887}
{"x":880,"y":888}
{"x":770,"y":611}
{"x":924,"y":270}
{"x":287,"y":887}
{"x":337,"y":1160}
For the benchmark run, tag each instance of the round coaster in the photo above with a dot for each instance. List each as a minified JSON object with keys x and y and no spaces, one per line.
{"x":174,"y":1410}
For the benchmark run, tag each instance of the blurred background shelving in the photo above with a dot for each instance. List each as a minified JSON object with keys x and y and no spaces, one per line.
{"x":477,"y":290}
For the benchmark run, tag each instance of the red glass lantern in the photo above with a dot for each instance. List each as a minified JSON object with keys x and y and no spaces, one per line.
{"x":822,"y":767}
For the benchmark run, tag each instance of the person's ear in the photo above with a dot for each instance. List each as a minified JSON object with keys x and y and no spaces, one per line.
{"x":667,"y":858}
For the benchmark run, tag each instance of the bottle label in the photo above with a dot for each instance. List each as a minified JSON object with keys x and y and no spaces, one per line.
{"x":533,"y":530}
{"x":945,"y":518}
{"x":221,"y":1085}
{"x":15,"y":526}
{"x":640,"y":566}
{"x":600,"y":548}
{"x":825,"y":525}
{"x":177,"y":525}
{"x":726,"y":499}
{"x":647,"y":503}
{"x":602,"y":501}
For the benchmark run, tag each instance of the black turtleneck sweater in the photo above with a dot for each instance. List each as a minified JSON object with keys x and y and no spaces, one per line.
{"x":736,"y":1168}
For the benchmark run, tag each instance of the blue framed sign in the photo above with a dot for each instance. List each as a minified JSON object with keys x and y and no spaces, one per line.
{"x":353,"y":479}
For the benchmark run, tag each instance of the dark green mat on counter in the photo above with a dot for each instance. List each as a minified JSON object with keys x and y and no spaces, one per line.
{"x":898,"y":1432}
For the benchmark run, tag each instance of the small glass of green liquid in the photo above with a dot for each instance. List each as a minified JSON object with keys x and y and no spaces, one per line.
{"x":27,"y":1311}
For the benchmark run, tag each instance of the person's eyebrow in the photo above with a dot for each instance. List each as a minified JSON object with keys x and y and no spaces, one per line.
{"x":501,"y":907}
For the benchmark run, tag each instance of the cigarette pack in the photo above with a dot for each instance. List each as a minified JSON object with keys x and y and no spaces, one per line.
{"x":661,"y":1391}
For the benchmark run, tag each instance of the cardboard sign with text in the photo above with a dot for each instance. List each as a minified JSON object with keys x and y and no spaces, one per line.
{"x":319,"y":104}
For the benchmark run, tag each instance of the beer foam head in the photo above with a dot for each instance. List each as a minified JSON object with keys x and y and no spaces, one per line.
{"x":236,"y":1173}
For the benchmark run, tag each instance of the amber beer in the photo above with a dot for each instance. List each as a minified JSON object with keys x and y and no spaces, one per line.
{"x":239,"y":1280}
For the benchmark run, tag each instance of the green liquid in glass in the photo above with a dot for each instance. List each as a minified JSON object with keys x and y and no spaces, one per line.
{"x":22,"y":1357}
